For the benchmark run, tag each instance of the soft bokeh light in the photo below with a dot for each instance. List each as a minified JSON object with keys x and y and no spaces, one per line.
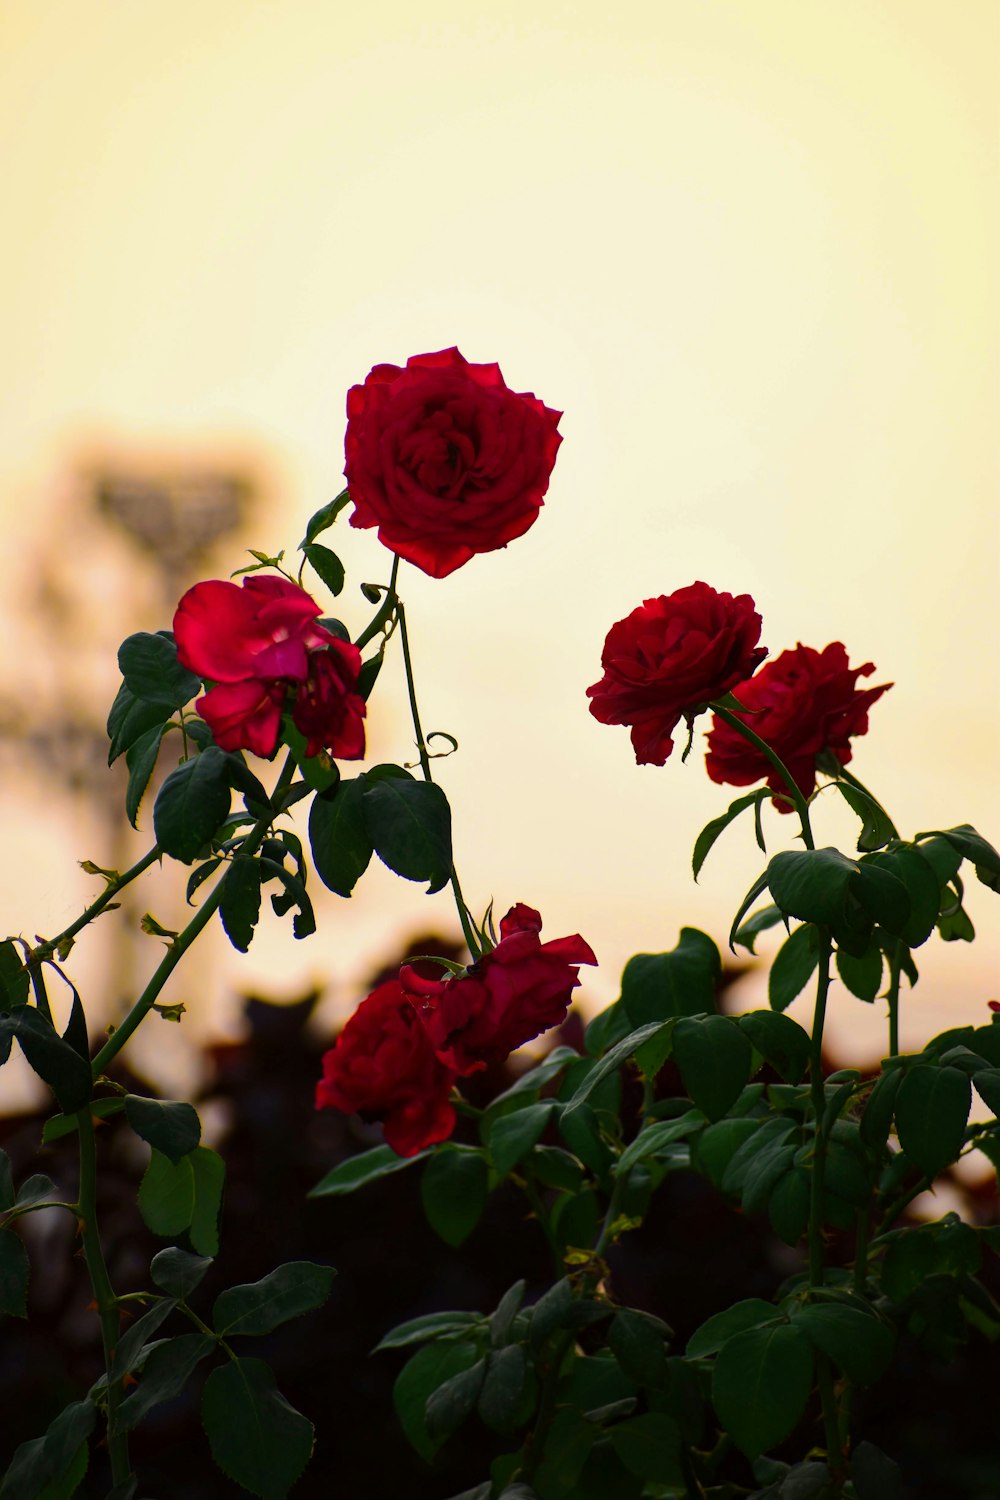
{"x":750,"y":250}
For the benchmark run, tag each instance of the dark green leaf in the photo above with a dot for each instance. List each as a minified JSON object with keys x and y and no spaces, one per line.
{"x":780,"y":1041}
{"x":877,"y":826}
{"x":768,"y":916}
{"x":723,"y":1326}
{"x":140,"y":758}
{"x":173,"y":1129}
{"x":99,"y":1109}
{"x":192,"y":804}
{"x":637,"y":1343}
{"x":910,"y":865}
{"x":164,"y":1375}
{"x":512,"y":1136}
{"x":812,"y":884}
{"x":556,"y":1168}
{"x":55,"y":1060}
{"x":760,"y":1385}
{"x":970,"y":845}
{"x":650,"y":1447}
{"x":608,"y":1064}
{"x":338,"y":835}
{"x":607,"y":1028}
{"x":793,"y":967}
{"x":757,"y":889}
{"x":661,"y":1133}
{"x":859,"y":1343}
{"x":942,"y":856}
{"x":877,"y":1117}
{"x":357,"y":1171}
{"x":39,"y":1465}
{"x":453,"y":1401}
{"x":568,"y":1441}
{"x":38,"y":1190}
{"x":774,"y":1132}
{"x":422,"y":1375}
{"x":368,"y":675}
{"x":131,"y":1348}
{"x":14,"y":980}
{"x":714,"y":1057}
{"x":436,"y":1326}
{"x":882,"y":894}
{"x":129,"y":719}
{"x":987,"y":1082}
{"x":177,"y":1272}
{"x":712,"y":830}
{"x":932,"y":1108}
{"x":502,"y":1388}
{"x":861,"y":975}
{"x":788,"y":1205}
{"x":240,"y":905}
{"x":294,"y":894}
{"x":200,"y":875}
{"x":327,"y":566}
{"x":409,"y":824}
{"x":256,"y":1437}
{"x":453,"y":1190}
{"x":261,"y":1306}
{"x":507,"y":1309}
{"x":324,"y":518}
{"x":184,"y":1198}
{"x":657,"y":986}
{"x":152,"y":672}
{"x":716,"y":1146}
{"x":524,"y":1090}
{"x":14,"y":1272}
{"x":209,"y":1172}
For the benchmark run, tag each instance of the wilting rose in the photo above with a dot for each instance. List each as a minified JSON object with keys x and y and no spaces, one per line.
{"x":261,"y":648}
{"x":446,"y":460}
{"x":382,"y":1067}
{"x":669,"y":658}
{"x":515,"y":992}
{"x":803,"y":702}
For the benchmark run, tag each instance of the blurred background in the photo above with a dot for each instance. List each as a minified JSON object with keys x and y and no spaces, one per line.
{"x":749,"y":250}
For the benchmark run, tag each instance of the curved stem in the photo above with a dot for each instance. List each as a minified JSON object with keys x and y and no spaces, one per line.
{"x":182,"y":942}
{"x":468,"y":930}
{"x":104,"y":1295}
{"x":389,"y":603}
{"x":791,"y":789}
{"x":118,"y":883}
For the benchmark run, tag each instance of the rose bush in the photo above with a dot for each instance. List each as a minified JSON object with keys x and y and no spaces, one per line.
{"x":803,"y":703}
{"x":519,"y":989}
{"x":260,"y":646}
{"x":669,"y":658}
{"x":383,"y":1067}
{"x":445,"y":459}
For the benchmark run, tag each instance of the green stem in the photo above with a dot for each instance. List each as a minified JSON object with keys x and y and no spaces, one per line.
{"x":791,"y":789}
{"x":604,"y":1238}
{"x":892,"y":996}
{"x":818,"y":1096}
{"x":534,"y":1448}
{"x":831,"y":1423}
{"x":182,"y":942}
{"x":52,"y":945}
{"x":104,"y":1296}
{"x":469,"y":932}
{"x":388,"y":605}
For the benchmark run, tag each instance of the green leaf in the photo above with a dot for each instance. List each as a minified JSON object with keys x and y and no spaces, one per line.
{"x":42,"y":1462}
{"x":184,"y":1198}
{"x":932,"y":1109}
{"x":38,"y":1190}
{"x":769,"y":1133}
{"x":877,"y":826}
{"x":359,"y":1170}
{"x":882,"y":893}
{"x":453,"y":1190}
{"x":607,"y":1028}
{"x":256,"y":1437}
{"x":409,"y":824}
{"x":760,"y":1385}
{"x":568,"y":1442}
{"x":716,"y":1146}
{"x":240,"y":905}
{"x":164,"y":1375}
{"x":788,"y":1205}
{"x":131,"y":1348}
{"x":209,"y":1172}
{"x":611,"y":1061}
{"x":638,"y":1345}
{"x":192,"y":804}
{"x":140,"y":758}
{"x":757,"y":889}
{"x":524,"y":1090}
{"x":878,"y":1112}
{"x":858,"y":1342}
{"x":55,"y":1060}
{"x":129,"y":719}
{"x":683,"y":982}
{"x":971,"y":846}
{"x":812,"y":884}
{"x":324,"y":518}
{"x":439,"y":1325}
{"x":768,"y":916}
{"x":861,"y":975}
{"x":177,"y":1272}
{"x":502,"y":1388}
{"x":910,"y":865}
{"x":14,"y":1272}
{"x":173,"y":1129}
{"x":261,"y":1306}
{"x":14,"y":980}
{"x":650,"y":1447}
{"x":712,"y":830}
{"x":780,"y":1041}
{"x":507,"y":1309}
{"x":512,"y":1136}
{"x":153,"y":673}
{"x":99,"y":1109}
{"x":653,"y":1138}
{"x":793,"y":967}
{"x":430,"y":1368}
{"x":987,"y":1082}
{"x":715,"y":1059}
{"x":338,"y":835}
{"x":723,"y":1326}
{"x":326,"y":565}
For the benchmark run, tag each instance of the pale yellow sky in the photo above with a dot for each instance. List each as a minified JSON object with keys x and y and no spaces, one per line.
{"x":749,"y":249}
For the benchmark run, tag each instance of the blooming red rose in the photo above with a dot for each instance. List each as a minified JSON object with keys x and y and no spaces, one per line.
{"x":259,"y":645}
{"x":382,"y":1066}
{"x":445,"y":460}
{"x":669,"y":658}
{"x":518,"y":990}
{"x":803,"y":702}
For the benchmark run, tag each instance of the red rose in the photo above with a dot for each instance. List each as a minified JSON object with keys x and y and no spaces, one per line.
{"x":803,"y":702}
{"x":445,"y":460}
{"x":513,"y":993}
{"x":382,"y":1066}
{"x":258,"y":645}
{"x":669,"y":658}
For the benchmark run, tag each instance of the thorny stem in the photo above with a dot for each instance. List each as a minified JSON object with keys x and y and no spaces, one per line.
{"x":45,"y":950}
{"x":182,"y":942}
{"x":104,"y":1296}
{"x":790,"y":788}
{"x":892,"y":996}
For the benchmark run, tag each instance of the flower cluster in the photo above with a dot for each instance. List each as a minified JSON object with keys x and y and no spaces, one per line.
{"x":263,"y":652}
{"x":406,"y":1044}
